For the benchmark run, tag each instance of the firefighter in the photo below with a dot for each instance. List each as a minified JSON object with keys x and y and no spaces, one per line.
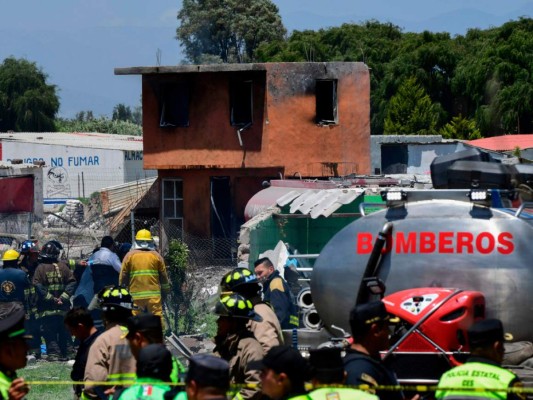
{"x":145,"y":329}
{"x":28,"y":261}
{"x":29,"y":257}
{"x":13,"y":348}
{"x":328,"y":377}
{"x":276,"y":292}
{"x":283,"y":373}
{"x":369,"y":323}
{"x":14,"y":282}
{"x":110,"y":357}
{"x":243,"y":281}
{"x":483,"y":367}
{"x":145,"y":275}
{"x":236,"y":343}
{"x":154,"y":364}
{"x":55,"y":284}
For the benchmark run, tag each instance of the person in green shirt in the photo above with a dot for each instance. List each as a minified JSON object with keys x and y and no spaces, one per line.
{"x":328,"y":377}
{"x":154,"y":365}
{"x":147,"y":328}
{"x":482,"y":369}
{"x":13,"y":349}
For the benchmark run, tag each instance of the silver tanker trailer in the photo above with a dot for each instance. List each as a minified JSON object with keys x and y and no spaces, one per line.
{"x":433,"y":238}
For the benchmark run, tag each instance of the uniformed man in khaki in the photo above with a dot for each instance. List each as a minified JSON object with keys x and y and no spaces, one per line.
{"x":243,"y":281}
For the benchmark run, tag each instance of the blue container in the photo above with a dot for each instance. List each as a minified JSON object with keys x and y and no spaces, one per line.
{"x":43,"y":348}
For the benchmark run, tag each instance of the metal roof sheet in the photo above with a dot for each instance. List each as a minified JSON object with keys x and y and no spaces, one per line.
{"x":118,"y":197}
{"x":92,"y":140}
{"x":318,"y":203}
{"x":504,"y":143}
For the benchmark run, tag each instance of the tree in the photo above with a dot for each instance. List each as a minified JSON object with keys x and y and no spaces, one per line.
{"x":411,"y":111}
{"x":27,"y":102}
{"x":460,"y":128}
{"x":122,"y":112}
{"x":230,"y":30}
{"x":100,"y":124}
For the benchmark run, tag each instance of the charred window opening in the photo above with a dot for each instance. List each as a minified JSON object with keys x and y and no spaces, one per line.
{"x":241,"y":93}
{"x":326,"y":101}
{"x":174,"y":105}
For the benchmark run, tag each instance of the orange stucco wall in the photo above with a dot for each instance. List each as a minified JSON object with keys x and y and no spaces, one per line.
{"x":284,"y":133}
{"x":196,"y":194}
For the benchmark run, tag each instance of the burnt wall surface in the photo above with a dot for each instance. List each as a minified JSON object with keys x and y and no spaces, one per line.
{"x":197,"y":191}
{"x":284,"y":133}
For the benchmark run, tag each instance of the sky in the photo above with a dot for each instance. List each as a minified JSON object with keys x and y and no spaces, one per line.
{"x":78,"y":43}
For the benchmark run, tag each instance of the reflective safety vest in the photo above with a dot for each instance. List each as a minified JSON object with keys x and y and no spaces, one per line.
{"x":5,"y":383}
{"x":474,"y":375}
{"x":145,"y":388}
{"x":336,"y":393}
{"x":178,"y":371}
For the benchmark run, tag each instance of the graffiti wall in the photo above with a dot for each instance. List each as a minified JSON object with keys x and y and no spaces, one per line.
{"x":73,"y":172}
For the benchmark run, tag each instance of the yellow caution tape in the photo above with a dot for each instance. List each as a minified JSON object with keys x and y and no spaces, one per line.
{"x":235,"y":387}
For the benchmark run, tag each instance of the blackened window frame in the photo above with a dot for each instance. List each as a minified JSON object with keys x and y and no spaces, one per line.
{"x":241,"y":102}
{"x":174,"y":104}
{"x":326,"y":96}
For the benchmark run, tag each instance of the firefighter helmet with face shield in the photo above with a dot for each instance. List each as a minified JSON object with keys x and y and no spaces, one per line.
{"x":240,"y":280}
{"x":115,"y":298}
{"x":236,"y":306}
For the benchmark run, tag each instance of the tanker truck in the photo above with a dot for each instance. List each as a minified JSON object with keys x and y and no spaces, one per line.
{"x":434,"y":249}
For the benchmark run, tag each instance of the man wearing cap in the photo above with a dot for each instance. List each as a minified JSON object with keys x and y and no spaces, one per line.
{"x":277,"y":293}
{"x":207,"y":379}
{"x":328,"y":377}
{"x":154,"y":364}
{"x":236,"y":344}
{"x":145,"y":329}
{"x":483,"y":367}
{"x":13,"y":349}
{"x":283,"y":373}
{"x":110,"y":357}
{"x":369,"y":324}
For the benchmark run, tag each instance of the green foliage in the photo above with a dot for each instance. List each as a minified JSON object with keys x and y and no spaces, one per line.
{"x":227,"y":30}
{"x":101,"y":124}
{"x":188,"y":312}
{"x":411,"y":111}
{"x":484,"y":75}
{"x":517,"y":152}
{"x":460,"y":128}
{"x":122,"y":112}
{"x":27,"y":102}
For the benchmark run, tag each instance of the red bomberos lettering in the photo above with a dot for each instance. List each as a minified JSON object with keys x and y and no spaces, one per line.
{"x":440,"y":242}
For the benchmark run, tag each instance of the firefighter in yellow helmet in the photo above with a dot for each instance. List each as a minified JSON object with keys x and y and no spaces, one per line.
{"x":144,"y":273}
{"x":13,"y":280}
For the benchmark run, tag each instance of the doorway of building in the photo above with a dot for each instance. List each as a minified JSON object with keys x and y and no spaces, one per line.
{"x":222,"y":218}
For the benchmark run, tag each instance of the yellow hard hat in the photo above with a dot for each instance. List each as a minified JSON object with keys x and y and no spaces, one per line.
{"x":143,"y":234}
{"x":10,"y":255}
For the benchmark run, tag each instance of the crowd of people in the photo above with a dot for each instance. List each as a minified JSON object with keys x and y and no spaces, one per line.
{"x":112,"y":306}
